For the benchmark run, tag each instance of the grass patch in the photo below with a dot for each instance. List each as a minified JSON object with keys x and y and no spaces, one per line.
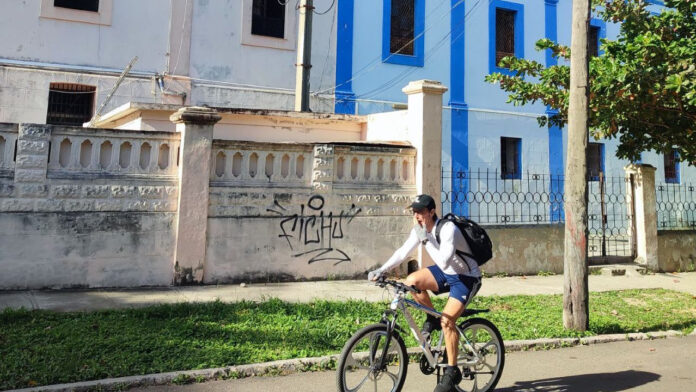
{"x":43,"y":347}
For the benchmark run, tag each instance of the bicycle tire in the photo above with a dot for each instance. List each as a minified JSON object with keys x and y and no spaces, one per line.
{"x":352,"y":358}
{"x":472,"y":326}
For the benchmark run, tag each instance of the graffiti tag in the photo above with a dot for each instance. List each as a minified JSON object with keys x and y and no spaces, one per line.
{"x":312,"y":232}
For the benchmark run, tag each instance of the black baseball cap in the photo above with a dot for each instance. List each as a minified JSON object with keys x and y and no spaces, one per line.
{"x":423,"y":201}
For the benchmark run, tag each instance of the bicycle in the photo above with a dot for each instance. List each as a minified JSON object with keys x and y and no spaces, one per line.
{"x":376,"y":356}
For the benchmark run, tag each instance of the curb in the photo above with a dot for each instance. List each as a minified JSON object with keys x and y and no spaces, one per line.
{"x":290,"y":366}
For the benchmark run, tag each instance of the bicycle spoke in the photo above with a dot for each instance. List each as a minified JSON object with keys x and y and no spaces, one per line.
{"x":367,"y":376}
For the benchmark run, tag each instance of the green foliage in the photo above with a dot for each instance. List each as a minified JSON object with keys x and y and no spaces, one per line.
{"x":642,"y":89}
{"x":42,"y":347}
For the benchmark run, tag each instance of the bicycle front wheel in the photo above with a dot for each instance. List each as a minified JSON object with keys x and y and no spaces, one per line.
{"x":481,"y":355}
{"x":360,"y":367}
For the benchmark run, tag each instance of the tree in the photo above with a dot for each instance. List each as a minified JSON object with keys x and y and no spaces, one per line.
{"x":642,"y":89}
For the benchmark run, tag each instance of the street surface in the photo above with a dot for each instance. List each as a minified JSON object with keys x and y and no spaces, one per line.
{"x":657,"y":365}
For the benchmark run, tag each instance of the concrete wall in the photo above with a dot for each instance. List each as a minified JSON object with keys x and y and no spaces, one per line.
{"x":676,"y":250}
{"x":525,"y":249}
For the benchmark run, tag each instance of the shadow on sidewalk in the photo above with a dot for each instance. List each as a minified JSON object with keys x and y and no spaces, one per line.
{"x":605,"y":382}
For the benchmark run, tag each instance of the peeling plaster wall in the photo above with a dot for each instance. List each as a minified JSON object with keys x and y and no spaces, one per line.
{"x":86,"y":249}
{"x":676,"y":250}
{"x":525,"y":250}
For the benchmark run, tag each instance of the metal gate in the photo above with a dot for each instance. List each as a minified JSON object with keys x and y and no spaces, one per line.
{"x":610,"y":220}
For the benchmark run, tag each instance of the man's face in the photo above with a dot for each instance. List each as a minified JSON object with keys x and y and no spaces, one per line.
{"x":423,"y":216}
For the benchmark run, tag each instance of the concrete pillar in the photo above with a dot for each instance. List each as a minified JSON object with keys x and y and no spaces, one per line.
{"x":425,"y":134}
{"x":642,"y":182}
{"x":32,"y":161}
{"x":196,"y":127}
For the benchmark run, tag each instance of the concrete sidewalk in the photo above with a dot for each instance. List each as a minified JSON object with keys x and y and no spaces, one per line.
{"x":86,"y":300}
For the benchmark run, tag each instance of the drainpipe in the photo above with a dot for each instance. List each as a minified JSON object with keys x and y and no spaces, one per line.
{"x":304,"y":56}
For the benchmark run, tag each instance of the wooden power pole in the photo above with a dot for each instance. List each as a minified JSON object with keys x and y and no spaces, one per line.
{"x":575,"y":290}
{"x":304,"y":56}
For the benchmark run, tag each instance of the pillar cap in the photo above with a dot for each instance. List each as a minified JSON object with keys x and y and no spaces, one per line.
{"x":639,"y":167}
{"x":424,"y":86}
{"x":195,"y":115}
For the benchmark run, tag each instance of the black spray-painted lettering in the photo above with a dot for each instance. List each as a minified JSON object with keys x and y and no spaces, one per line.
{"x":316,"y":231}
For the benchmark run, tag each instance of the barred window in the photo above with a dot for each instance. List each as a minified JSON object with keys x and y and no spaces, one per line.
{"x":510,"y":158}
{"x":402,"y":19}
{"x":70,"y":104}
{"x":672,"y":167}
{"x":268,"y":18}
{"x":504,"y":34}
{"x":593,"y":41}
{"x":595,"y":157}
{"x":82,"y":5}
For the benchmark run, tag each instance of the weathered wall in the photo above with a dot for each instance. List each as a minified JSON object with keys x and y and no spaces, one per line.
{"x":525,"y":249}
{"x":305,"y":211}
{"x":87,"y":207}
{"x":676,"y":250}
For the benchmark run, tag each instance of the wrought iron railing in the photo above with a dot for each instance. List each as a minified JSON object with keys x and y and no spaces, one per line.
{"x":676,"y":206}
{"x":488,"y":198}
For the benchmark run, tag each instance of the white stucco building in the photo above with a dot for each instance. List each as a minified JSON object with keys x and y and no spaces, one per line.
{"x":60,"y":59}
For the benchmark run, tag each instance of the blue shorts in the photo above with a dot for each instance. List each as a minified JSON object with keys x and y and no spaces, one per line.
{"x":459,"y":286}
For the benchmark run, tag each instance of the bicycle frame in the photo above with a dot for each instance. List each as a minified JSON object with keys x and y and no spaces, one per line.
{"x":400,"y":303}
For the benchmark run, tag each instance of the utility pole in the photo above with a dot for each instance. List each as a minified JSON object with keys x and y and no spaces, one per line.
{"x":304,"y":56}
{"x":575,"y":290}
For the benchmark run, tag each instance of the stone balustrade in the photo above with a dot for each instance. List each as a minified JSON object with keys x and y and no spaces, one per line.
{"x":8,"y":146}
{"x":109,"y":153}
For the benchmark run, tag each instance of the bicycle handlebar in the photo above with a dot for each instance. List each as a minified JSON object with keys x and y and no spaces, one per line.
{"x":381,"y":282}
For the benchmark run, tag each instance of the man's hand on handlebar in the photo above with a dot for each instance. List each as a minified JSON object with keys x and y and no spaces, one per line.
{"x":374,"y":275}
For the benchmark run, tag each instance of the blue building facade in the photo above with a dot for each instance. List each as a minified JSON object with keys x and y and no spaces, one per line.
{"x":458,"y":42}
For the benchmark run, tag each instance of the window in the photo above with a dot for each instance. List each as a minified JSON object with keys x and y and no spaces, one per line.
{"x":510,"y":158}
{"x":85,"y":11}
{"x":593,"y":41}
{"x":672,"y":167}
{"x":83,"y":5}
{"x":70,"y":104}
{"x":506,"y":33}
{"x":268,"y":18}
{"x":595,"y":160}
{"x":402,"y":32}
{"x":269,"y":24}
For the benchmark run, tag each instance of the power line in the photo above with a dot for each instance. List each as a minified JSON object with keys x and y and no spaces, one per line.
{"x":329,"y":9}
{"x":377,"y":61}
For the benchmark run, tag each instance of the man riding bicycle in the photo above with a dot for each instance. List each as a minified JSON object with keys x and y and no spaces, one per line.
{"x":458,"y":275}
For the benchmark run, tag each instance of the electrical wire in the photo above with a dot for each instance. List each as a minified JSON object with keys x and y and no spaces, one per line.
{"x":402,"y":75}
{"x":181,"y":42}
{"x":329,"y":9}
{"x":378,"y":60}
{"x":328,"y":52}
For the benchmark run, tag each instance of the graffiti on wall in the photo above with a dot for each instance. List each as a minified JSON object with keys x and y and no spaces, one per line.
{"x":311,"y":232}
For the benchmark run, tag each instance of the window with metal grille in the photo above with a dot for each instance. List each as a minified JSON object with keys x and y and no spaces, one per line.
{"x":268,"y":18}
{"x":593,"y":41}
{"x":83,"y":5}
{"x":510,"y":158}
{"x":595,"y":160}
{"x":504,"y":34}
{"x":403,"y":22}
{"x":70,"y":104}
{"x":672,"y":167}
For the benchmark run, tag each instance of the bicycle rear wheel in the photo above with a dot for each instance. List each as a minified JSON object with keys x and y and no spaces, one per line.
{"x":481,"y":355}
{"x":358,"y":367}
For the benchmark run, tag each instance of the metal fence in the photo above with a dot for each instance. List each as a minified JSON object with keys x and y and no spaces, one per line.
{"x":488,"y":198}
{"x":676,"y":206}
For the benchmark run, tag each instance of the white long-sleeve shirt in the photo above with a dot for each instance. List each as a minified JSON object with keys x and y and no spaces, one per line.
{"x":443,"y":253}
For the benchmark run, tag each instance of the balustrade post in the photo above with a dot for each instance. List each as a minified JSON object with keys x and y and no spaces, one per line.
{"x":195,"y":124}
{"x":641,"y":179}
{"x":425,"y":134}
{"x":31,"y":164}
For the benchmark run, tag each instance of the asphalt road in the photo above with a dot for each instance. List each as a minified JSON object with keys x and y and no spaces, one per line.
{"x":657,"y":365}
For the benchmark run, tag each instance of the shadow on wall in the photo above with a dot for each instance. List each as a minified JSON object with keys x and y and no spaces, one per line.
{"x":606,"y":382}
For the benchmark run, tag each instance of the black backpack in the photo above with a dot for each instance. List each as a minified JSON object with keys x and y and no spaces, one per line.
{"x":475,"y":236}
